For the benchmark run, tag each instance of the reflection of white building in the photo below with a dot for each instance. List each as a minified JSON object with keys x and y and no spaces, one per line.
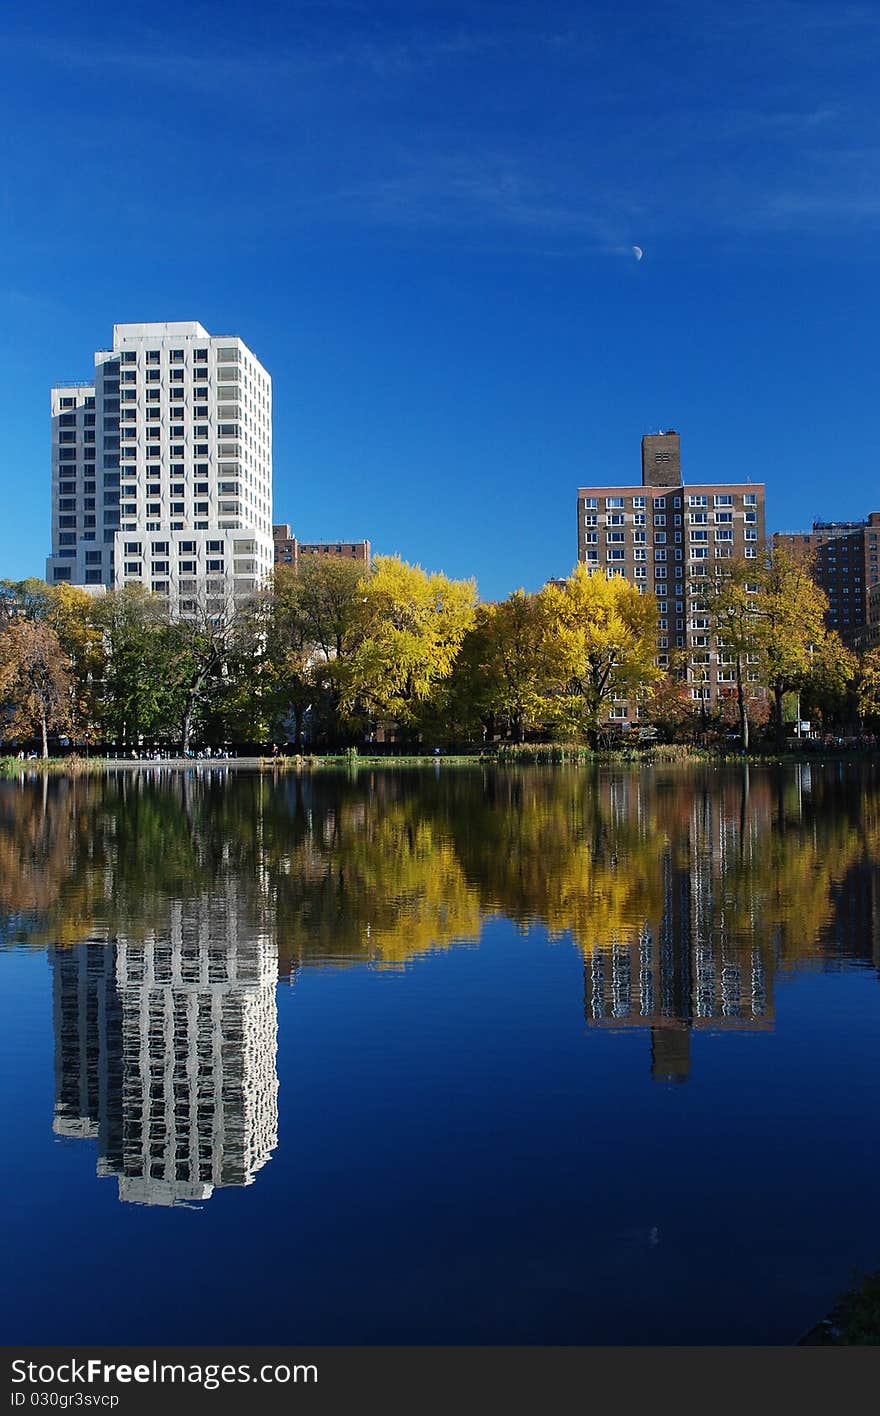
{"x":171,"y":1057}
{"x":199,"y":1028}
{"x":87,"y":1039}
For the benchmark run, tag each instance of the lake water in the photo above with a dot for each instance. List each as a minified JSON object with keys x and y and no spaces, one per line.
{"x":443,"y":1056}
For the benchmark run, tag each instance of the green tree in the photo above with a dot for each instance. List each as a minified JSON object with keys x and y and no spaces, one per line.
{"x":318,"y":621}
{"x":496,"y":684}
{"x":140,"y":678}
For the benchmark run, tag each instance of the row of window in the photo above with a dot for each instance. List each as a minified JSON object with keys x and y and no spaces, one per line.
{"x":695,"y":553}
{"x":641,"y":502}
{"x":640,"y":538}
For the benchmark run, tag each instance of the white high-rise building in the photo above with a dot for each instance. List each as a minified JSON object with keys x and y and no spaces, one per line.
{"x":162,"y":468}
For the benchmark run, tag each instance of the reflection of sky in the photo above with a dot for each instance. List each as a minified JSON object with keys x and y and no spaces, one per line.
{"x":479,"y":1132}
{"x":461,"y":1157}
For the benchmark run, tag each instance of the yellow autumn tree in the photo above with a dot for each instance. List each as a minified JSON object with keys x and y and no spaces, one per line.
{"x":868,"y":685}
{"x":600,"y":644}
{"x":413,"y":626}
{"x":792,"y":639}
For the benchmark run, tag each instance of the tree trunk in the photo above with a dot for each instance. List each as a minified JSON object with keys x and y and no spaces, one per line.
{"x":45,"y":736}
{"x":189,"y":710}
{"x":743,"y":711}
{"x":780,"y":716}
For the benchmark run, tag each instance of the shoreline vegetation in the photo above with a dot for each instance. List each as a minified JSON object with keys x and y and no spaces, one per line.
{"x":528,"y":755}
{"x":854,"y":1321}
{"x":331,"y":653}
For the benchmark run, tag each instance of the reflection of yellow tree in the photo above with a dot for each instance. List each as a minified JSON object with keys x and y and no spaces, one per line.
{"x":580,"y":854}
{"x":383,"y":885}
{"x":782,"y":882}
{"x":386,"y":867}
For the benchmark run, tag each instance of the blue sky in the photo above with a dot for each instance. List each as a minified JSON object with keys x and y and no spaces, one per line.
{"x":420,"y":217}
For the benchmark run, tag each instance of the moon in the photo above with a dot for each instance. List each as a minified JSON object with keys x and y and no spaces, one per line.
{"x":637,"y":252}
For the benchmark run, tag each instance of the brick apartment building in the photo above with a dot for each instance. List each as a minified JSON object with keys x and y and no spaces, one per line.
{"x":665,"y":537}
{"x":846,"y":564}
{"x":288,"y":549}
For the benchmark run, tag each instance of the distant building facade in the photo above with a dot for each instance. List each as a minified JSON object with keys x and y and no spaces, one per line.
{"x":288,"y":549}
{"x":845,"y":560}
{"x":162,"y":468}
{"x":665,"y":537}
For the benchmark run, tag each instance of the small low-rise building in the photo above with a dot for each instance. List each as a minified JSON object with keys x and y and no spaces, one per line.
{"x":288,"y":549}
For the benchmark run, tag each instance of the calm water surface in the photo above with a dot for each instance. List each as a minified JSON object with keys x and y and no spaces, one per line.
{"x":444,"y":1056}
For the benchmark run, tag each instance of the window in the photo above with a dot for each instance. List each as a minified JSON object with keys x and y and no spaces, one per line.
{"x":617,"y":519}
{"x":590,"y":504}
{"x":613,"y":503}
{"x":722,"y":500}
{"x":214,"y":546}
{"x":215,"y":565}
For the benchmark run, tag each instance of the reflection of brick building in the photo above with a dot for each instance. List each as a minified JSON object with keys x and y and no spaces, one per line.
{"x":684,"y":972}
{"x":288,"y":549}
